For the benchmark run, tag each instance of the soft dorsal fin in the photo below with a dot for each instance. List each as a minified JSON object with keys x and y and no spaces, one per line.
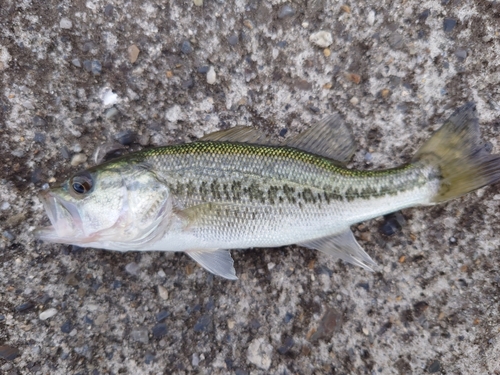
{"x":330,"y":137}
{"x":342,"y":246}
{"x":239,"y":134}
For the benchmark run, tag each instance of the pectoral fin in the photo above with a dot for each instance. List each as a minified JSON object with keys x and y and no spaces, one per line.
{"x":219,"y":262}
{"x":342,"y":246}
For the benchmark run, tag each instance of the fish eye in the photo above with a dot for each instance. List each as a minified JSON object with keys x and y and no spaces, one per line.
{"x":81,"y":183}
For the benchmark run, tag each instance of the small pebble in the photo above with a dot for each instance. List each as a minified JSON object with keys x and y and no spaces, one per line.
{"x":39,"y":138}
{"x":140,"y":335}
{"x":370,"y":19}
{"x":195,"y":360}
{"x":353,"y":77}
{"x":65,"y":23}
{"x":132,"y":268}
{"x":149,"y":358}
{"x":354,"y":100}
{"x":160,"y":330}
{"x":203,"y":324}
{"x":286,"y":11}
{"x":49,"y":313}
{"x":25,"y":307}
{"x":186,"y":47}
{"x":423,"y":16}
{"x":38,"y":121}
{"x":78,"y":159}
{"x":434,"y":367}
{"x":108,"y":10}
{"x":4,"y":206}
{"x":133,"y":53}
{"x":76,"y":62}
{"x":327,"y":52}
{"x":233,"y":39}
{"x":162,"y":315}
{"x":110,"y":113}
{"x":287,"y":345}
{"x":211,"y":76}
{"x":162,"y":292}
{"x":87,"y":65}
{"x":321,"y":38}
{"x":449,"y":24}
{"x":8,"y":235}
{"x":96,"y":67}
{"x":126,"y":137}
{"x":198,"y":3}
{"x":345,"y":8}
{"x":67,"y":327}
{"x":461,"y":54}
{"x":203,"y":69}
{"x":384,"y":93}
{"x":9,"y":353}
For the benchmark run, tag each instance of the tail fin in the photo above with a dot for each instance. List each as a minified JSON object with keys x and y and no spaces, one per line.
{"x":456,"y":149}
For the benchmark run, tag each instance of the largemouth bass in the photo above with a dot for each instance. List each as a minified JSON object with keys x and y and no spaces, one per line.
{"x":234,"y":189}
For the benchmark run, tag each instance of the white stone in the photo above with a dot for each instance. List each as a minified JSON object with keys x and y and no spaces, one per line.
{"x":78,"y":159}
{"x":4,"y":206}
{"x":354,"y":100}
{"x":198,"y":3}
{"x":211,"y":76}
{"x":49,"y":313}
{"x":65,"y":23}
{"x":108,"y":97}
{"x":370,"y":19}
{"x":260,"y":352}
{"x":321,"y":38}
{"x":163,"y":292}
{"x":174,"y":114}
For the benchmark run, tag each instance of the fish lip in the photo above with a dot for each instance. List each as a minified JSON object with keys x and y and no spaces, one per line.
{"x":53,"y":204}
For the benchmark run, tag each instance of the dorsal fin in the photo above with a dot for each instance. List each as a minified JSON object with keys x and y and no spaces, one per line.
{"x":239,"y":134}
{"x":330,"y":137}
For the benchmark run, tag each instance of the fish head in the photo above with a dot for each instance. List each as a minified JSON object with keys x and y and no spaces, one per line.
{"x":112,"y":206}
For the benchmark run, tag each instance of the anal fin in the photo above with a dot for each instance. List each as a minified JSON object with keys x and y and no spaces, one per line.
{"x":219,"y":262}
{"x":342,"y":246}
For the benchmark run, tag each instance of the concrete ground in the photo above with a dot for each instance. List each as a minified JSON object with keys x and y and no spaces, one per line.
{"x":78,"y":74}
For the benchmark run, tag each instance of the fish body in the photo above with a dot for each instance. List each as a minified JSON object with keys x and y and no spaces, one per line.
{"x":236,"y":190}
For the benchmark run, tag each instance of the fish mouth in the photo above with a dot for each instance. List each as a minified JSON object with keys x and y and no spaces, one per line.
{"x":65,"y":219}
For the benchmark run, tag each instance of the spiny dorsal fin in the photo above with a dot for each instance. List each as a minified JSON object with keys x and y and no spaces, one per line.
{"x":239,"y":134}
{"x":330,"y":138}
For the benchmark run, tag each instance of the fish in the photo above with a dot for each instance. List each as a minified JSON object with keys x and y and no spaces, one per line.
{"x":237,"y":189}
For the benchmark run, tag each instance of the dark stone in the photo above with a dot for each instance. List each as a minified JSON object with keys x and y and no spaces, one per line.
{"x":203,"y":324}
{"x":254,"y":324}
{"x":287,"y":345}
{"x":233,"y":39}
{"x":188,"y":83}
{"x":25,"y":307}
{"x":117,"y":284}
{"x":323,"y":270}
{"x":393,"y":223}
{"x":149,"y":358}
{"x":288,"y":317}
{"x":449,"y":24}
{"x":282,"y":44}
{"x":423,"y":16}
{"x":76,"y":62}
{"x":67,"y":327}
{"x":38,"y":121}
{"x":2,"y":318}
{"x":9,"y":353}
{"x":314,"y":109}
{"x":203,"y":69}
{"x":36,"y":176}
{"x":159,"y":330}
{"x":186,"y":47}
{"x":434,"y":367}
{"x":126,"y":137}
{"x":420,"y":307}
{"x":77,"y":121}
{"x":395,"y":40}
{"x":365,"y":286}
{"x":8,"y":235}
{"x":162,"y":315}
{"x":108,"y":10}
{"x":283,"y":132}
{"x":39,"y":138}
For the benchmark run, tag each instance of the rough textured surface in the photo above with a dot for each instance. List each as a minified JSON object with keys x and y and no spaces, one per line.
{"x":394,"y":71}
